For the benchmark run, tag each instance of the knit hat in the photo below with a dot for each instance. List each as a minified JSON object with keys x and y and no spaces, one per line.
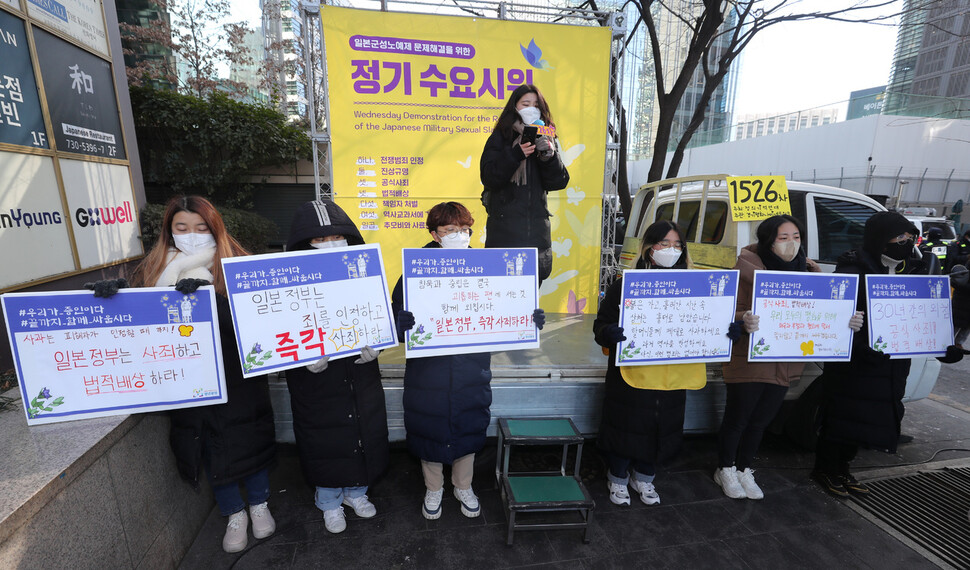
{"x":321,"y":218}
{"x":882,"y":227}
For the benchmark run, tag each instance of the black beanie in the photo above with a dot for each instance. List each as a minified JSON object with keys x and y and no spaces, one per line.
{"x":882,"y":227}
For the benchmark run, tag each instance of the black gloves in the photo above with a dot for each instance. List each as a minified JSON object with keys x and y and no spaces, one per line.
{"x":953,"y":354}
{"x":189,"y":286}
{"x":405,"y":322}
{"x":106,"y":288}
{"x":735,"y":330}
{"x":539,"y":317}
{"x":612,"y":334}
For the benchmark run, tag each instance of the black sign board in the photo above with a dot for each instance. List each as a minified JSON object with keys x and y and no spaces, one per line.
{"x":21,"y":120}
{"x":81,"y":98}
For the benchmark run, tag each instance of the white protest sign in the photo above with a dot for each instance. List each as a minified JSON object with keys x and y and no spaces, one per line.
{"x":142,"y":350}
{"x":804,"y":316}
{"x":470,"y":300}
{"x":291,"y":309}
{"x":676,"y":316}
{"x":909,"y":315}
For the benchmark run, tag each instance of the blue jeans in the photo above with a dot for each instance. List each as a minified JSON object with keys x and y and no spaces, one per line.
{"x":329,"y":498}
{"x":230,"y":500}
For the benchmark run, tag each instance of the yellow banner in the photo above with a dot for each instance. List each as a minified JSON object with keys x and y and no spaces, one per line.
{"x":413,"y":98}
{"x":757,"y":197}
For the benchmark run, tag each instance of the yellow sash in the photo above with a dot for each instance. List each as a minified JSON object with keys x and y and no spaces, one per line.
{"x":666,"y":376}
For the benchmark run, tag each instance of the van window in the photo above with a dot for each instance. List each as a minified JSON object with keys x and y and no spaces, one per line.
{"x":715,"y":219}
{"x":945,"y":228}
{"x":841,"y":225}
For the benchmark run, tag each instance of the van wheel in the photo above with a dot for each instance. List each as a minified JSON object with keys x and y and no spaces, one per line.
{"x":801,"y":426}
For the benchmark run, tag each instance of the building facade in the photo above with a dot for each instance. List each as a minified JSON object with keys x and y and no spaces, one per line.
{"x":931,"y":66}
{"x":752,"y":125}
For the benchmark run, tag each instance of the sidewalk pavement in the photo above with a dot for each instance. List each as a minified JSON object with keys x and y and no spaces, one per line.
{"x":797,"y":525}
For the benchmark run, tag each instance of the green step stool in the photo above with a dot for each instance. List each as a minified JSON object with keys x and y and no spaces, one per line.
{"x":545,"y":491}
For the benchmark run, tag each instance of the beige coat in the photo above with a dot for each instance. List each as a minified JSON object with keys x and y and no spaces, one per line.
{"x":739,"y":369}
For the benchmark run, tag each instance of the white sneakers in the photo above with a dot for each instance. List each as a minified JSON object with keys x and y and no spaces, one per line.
{"x":648,"y":493}
{"x":431,"y":509}
{"x":727,"y":478}
{"x":751,"y":489}
{"x":618,"y":494}
{"x":263,"y":523}
{"x":334,"y":520}
{"x":469,"y":502}
{"x":236,"y":536}
{"x":362,"y":506}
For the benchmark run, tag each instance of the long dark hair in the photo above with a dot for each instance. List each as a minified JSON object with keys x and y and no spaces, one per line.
{"x":655,"y":234}
{"x":768,"y":231}
{"x":510,"y":115}
{"x":151,"y":267}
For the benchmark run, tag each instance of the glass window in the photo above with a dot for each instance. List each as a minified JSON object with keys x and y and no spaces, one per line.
{"x":945,"y":229}
{"x":715,"y":219}
{"x":840,"y":226}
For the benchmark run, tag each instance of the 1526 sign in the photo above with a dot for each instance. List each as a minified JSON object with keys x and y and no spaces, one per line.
{"x":757,"y":197}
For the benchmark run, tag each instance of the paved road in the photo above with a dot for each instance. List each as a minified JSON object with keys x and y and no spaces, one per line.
{"x":795,"y":526}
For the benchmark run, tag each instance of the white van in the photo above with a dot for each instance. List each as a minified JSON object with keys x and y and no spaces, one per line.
{"x":834,"y":221}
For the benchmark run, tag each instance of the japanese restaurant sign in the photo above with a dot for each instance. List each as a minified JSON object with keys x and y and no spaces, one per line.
{"x":676,"y":316}
{"x":909,"y":315}
{"x":804,"y":316}
{"x":470,"y":300}
{"x":291,"y":309}
{"x":142,"y":350}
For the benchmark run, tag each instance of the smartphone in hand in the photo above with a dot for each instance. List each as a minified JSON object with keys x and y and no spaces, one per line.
{"x":529,"y":134}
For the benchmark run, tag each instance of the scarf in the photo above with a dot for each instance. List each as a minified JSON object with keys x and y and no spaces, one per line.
{"x":180,"y":266}
{"x":775,"y":263}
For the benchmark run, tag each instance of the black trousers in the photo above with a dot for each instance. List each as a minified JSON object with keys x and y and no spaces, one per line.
{"x":833,"y":457}
{"x":750,"y":408}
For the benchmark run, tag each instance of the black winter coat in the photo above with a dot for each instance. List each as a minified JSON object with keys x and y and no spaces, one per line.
{"x":339,"y":414}
{"x":863,"y":398}
{"x":340,"y":422}
{"x":640,"y":424}
{"x":446,"y":400}
{"x":231,"y":440}
{"x":961,"y":305}
{"x":518,"y":215}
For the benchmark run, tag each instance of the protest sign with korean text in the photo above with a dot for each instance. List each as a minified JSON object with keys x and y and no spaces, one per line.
{"x":755,"y":198}
{"x":803,"y":316}
{"x":909,"y":315}
{"x":470,"y":300}
{"x":142,"y":350}
{"x":676,"y":316}
{"x":291,"y":309}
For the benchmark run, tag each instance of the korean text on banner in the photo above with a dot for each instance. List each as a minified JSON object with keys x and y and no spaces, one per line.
{"x":804,"y":316}
{"x":291,"y":309}
{"x":676,"y":316}
{"x":414,"y":97}
{"x":909,"y":315}
{"x":470,"y":300}
{"x":142,"y":350}
{"x":757,"y":197}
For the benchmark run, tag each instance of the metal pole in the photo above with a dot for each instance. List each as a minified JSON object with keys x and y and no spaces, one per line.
{"x":310,"y":10}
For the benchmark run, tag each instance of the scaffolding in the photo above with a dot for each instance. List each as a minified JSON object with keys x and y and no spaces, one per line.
{"x":538,"y":11}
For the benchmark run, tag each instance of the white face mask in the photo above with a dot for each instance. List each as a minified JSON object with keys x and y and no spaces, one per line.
{"x":786,"y":250}
{"x":330,"y":244}
{"x":666,"y":257}
{"x":193,"y":243}
{"x":530,"y":114}
{"x":457,"y":240}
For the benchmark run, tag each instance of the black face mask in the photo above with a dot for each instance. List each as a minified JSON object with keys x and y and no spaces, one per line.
{"x":899,"y":251}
